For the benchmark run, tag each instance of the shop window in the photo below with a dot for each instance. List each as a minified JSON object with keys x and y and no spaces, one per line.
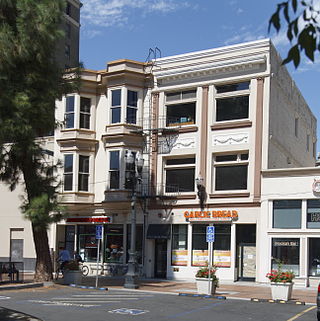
{"x":116,"y":106}
{"x":70,"y":237}
{"x":181,"y":108}
{"x":68,"y":173}
{"x":179,"y":252}
{"x":87,"y":242}
{"x":132,"y":107}
{"x":221,"y":245}
{"x":314,"y":257}
{"x":85,"y":112}
{"x":287,"y":214}
{"x":114,"y":243}
{"x":114,"y":169}
{"x":232,"y":101}
{"x":83,"y":177}
{"x":139,"y":242}
{"x":180,"y":174}
{"x":231,"y":172}
{"x":69,"y":113}
{"x":286,"y":250}
{"x":313,"y":213}
{"x":199,"y":245}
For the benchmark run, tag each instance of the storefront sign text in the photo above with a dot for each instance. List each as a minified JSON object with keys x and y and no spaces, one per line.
{"x":286,"y":243}
{"x":219,"y":215}
{"x":97,"y":219}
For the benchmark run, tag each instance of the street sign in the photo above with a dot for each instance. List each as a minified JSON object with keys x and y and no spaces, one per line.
{"x":98,"y":232}
{"x":210,"y":234}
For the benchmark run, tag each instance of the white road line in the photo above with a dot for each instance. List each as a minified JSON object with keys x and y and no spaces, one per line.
{"x":71,"y":301}
{"x":90,"y":299}
{"x":113,"y":295}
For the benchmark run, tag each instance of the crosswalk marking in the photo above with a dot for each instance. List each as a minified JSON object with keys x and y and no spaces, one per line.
{"x":93,"y":299}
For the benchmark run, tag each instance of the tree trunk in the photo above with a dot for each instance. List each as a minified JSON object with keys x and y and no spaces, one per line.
{"x":43,"y":270}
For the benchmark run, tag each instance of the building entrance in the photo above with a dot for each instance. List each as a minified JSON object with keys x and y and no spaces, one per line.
{"x":160,"y":266}
{"x":246,"y":252}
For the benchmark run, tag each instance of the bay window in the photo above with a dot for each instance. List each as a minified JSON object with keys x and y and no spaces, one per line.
{"x":116,"y":106}
{"x":114,"y":169}
{"x":83,"y":177}
{"x":132,"y":106}
{"x":69,"y":112}
{"x":85,"y":112}
{"x":68,"y":173}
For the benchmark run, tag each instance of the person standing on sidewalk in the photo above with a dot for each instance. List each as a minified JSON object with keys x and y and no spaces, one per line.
{"x":64,"y":257}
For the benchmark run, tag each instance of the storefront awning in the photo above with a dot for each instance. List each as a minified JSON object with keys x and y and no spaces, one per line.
{"x":158,"y":231}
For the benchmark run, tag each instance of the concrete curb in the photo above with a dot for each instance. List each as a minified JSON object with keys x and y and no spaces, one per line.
{"x":205,"y":296}
{"x":21,"y":286}
{"x":278,"y":301}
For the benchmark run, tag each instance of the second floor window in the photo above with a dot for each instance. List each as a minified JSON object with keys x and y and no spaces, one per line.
{"x":69,"y":114}
{"x":85,"y":108}
{"x":179,"y":174}
{"x":114,"y":170}
{"x":231,"y":172}
{"x":68,"y":173}
{"x":83,"y":177}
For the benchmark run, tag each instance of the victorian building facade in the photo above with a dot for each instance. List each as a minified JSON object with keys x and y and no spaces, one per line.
{"x":209,"y":126}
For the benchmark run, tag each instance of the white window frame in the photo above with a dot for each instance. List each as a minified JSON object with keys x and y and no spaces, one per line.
{"x":69,"y":173}
{"x":178,"y":166}
{"x":86,"y":174}
{"x":178,"y":101}
{"x":231,"y":94}
{"x":236,"y":162}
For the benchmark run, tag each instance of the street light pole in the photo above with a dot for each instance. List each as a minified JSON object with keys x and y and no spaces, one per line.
{"x":135,"y":163}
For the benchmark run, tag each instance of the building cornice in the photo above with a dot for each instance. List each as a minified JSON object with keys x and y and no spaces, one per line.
{"x":303,"y":171}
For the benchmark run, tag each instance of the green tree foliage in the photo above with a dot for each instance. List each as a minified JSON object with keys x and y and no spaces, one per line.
{"x":30,"y":83}
{"x":302,"y":19}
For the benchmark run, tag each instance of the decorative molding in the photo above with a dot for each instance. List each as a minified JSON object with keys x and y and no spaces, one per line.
{"x":187,"y":142}
{"x":232,"y":139}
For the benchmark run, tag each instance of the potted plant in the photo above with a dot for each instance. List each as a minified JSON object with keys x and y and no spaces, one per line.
{"x":281,"y":283}
{"x":206,"y":280}
{"x":72,"y":273}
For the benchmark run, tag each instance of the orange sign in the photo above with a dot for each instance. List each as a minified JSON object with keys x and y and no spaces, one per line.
{"x":216,"y":215}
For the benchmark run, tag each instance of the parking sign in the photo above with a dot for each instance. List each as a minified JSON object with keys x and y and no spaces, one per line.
{"x":98,"y":232}
{"x":210,"y":234}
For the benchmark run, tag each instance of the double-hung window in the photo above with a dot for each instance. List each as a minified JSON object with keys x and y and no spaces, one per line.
{"x":83,"y":177}
{"x":85,"y":112}
{"x":68,"y":172}
{"x":132,"y":106}
{"x":231,"y":171}
{"x":181,"y":108}
{"x":180,"y":174}
{"x":232,"y":101}
{"x":114,"y":169}
{"x":69,"y":114}
{"x":116,"y":106}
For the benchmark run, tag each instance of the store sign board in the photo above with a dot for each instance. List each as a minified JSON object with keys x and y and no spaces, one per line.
{"x":92,"y":219}
{"x":211,"y":216}
{"x":286,"y":243}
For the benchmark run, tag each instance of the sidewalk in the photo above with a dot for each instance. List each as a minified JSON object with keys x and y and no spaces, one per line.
{"x":231,"y":290}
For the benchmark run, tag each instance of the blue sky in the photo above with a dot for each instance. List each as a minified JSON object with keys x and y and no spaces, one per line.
{"x":117,"y":29}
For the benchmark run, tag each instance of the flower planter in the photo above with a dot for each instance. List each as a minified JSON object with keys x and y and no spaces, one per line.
{"x":206,"y":286}
{"x":72,"y":277}
{"x":281,"y":291}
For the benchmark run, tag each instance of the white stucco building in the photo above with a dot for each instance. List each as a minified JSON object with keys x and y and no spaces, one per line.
{"x":228,"y":115}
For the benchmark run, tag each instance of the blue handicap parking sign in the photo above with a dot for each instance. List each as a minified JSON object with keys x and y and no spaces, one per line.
{"x":210,"y":234}
{"x":98,"y":232}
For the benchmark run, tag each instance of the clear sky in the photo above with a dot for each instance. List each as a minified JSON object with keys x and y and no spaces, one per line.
{"x":118,"y":29}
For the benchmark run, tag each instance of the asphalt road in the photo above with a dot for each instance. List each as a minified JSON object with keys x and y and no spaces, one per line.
{"x":73,"y":304}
